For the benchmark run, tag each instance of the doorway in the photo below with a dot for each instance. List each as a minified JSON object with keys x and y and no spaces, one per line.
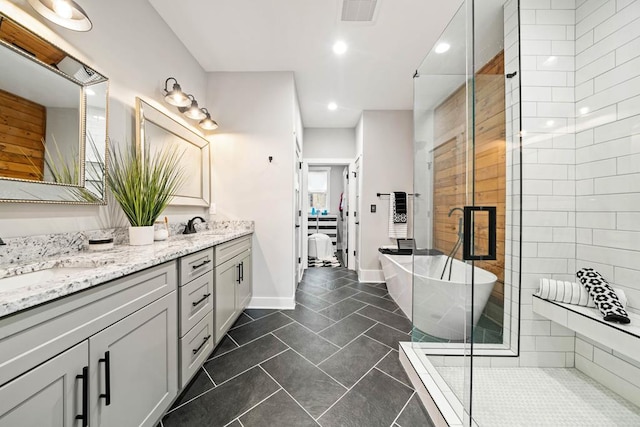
{"x":326,"y":206}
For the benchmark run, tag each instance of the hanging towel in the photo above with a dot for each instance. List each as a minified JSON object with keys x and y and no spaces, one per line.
{"x":603,"y":295}
{"x":571,"y":293}
{"x":399,"y":200}
{"x":397,"y":230}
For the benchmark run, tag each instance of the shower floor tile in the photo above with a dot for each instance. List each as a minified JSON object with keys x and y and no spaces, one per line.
{"x":550,"y":397}
{"x":277,"y":368}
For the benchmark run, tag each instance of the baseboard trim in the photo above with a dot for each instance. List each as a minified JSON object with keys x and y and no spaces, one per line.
{"x":272,"y":303}
{"x":370,"y":276}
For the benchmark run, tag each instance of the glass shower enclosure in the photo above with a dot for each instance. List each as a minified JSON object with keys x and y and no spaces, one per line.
{"x":467,"y":157}
{"x":527,"y":125}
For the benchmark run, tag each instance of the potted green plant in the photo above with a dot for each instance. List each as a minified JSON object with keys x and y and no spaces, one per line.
{"x":144,"y":184}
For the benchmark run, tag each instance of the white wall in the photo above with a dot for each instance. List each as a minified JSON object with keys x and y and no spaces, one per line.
{"x":608,"y":168}
{"x":137,"y":52}
{"x":329,"y":143}
{"x":548,"y":173}
{"x":423,"y":179}
{"x":62,"y":146}
{"x":387,"y":166}
{"x":257,"y":120}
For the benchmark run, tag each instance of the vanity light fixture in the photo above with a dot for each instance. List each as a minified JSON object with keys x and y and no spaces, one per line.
{"x":207,"y":123}
{"x":193,"y":112}
{"x":442,"y":47}
{"x":65,"y":13}
{"x":188,"y":105}
{"x":175,"y":96}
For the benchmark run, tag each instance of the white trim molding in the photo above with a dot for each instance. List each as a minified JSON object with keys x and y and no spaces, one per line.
{"x":273,"y":303}
{"x":370,"y":276}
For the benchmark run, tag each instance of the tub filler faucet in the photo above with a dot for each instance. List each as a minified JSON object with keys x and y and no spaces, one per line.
{"x":449,"y":260}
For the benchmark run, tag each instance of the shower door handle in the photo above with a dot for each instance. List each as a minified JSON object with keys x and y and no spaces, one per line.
{"x":469,"y":251}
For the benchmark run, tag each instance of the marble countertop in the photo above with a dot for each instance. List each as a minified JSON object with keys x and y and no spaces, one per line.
{"x":85,"y":269}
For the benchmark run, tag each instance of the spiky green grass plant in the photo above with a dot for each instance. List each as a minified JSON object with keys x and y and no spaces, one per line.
{"x":144,"y":184}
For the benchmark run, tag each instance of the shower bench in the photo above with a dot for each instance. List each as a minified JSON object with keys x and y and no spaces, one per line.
{"x":588,"y":322}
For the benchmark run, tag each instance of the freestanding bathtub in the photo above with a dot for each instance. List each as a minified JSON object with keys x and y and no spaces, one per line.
{"x":440,"y":305}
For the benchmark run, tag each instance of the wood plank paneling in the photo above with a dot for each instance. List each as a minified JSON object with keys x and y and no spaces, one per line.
{"x":452,"y":163}
{"x":22,"y":132}
{"x":14,"y":34}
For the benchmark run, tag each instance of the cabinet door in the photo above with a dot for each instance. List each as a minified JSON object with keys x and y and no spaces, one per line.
{"x":243,"y":289}
{"x":227,"y":277}
{"x":134,"y":367}
{"x":49,"y":395}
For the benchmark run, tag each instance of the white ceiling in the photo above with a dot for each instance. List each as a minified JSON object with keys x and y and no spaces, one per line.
{"x":297,"y":35}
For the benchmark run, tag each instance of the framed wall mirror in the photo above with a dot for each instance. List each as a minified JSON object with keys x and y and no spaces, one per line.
{"x":156,"y":130}
{"x":53,"y":122}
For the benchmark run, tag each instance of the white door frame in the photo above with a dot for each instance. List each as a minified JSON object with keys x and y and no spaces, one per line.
{"x":315,"y":161}
{"x":355,"y":190}
{"x":300,"y":230}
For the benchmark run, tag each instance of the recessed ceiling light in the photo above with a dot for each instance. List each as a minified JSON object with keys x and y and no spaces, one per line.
{"x":550,"y":123}
{"x":442,"y":47}
{"x":339,"y":47}
{"x":332,"y":106}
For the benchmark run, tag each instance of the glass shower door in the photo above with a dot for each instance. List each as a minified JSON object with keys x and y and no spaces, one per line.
{"x":442,"y":312}
{"x":466,"y":121}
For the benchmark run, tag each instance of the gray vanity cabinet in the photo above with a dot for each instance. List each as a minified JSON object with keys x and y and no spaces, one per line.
{"x":233,"y":282}
{"x":64,"y":358}
{"x":244,"y":287}
{"x":134,"y":367}
{"x":49,"y":395}
{"x":227,"y":276}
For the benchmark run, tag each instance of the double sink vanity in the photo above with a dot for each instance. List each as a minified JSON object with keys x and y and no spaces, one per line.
{"x":111,"y":338}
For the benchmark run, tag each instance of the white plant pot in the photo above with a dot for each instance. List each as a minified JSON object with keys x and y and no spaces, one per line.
{"x":139,"y":236}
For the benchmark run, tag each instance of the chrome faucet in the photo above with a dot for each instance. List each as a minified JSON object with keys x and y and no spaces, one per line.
{"x":190,"y":227}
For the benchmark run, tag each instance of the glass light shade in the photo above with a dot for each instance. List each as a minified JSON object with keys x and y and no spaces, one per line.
{"x":65,"y":13}
{"x":194,"y":112}
{"x":177,"y":97}
{"x":208,"y":123}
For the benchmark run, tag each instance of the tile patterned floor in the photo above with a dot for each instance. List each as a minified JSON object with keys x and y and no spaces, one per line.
{"x":333,"y":361}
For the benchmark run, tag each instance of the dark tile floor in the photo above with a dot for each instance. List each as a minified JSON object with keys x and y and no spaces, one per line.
{"x":333,"y":361}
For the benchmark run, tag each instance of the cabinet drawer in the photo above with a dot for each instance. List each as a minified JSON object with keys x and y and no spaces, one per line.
{"x":195,"y":265}
{"x":195,"y":347}
{"x":226,"y":251}
{"x":33,"y":336}
{"x":196,"y":300}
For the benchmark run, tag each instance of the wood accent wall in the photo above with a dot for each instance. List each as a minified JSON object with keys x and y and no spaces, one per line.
{"x":451,"y":160}
{"x":22,"y":131}
{"x":14,"y":34}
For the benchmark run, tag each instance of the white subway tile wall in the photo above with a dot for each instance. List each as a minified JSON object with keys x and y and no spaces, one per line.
{"x":607,"y":165}
{"x":581,"y":173}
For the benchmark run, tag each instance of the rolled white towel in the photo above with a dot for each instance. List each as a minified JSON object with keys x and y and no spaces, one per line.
{"x":571,"y":293}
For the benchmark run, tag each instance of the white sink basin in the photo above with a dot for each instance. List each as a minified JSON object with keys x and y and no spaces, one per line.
{"x":38,"y":277}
